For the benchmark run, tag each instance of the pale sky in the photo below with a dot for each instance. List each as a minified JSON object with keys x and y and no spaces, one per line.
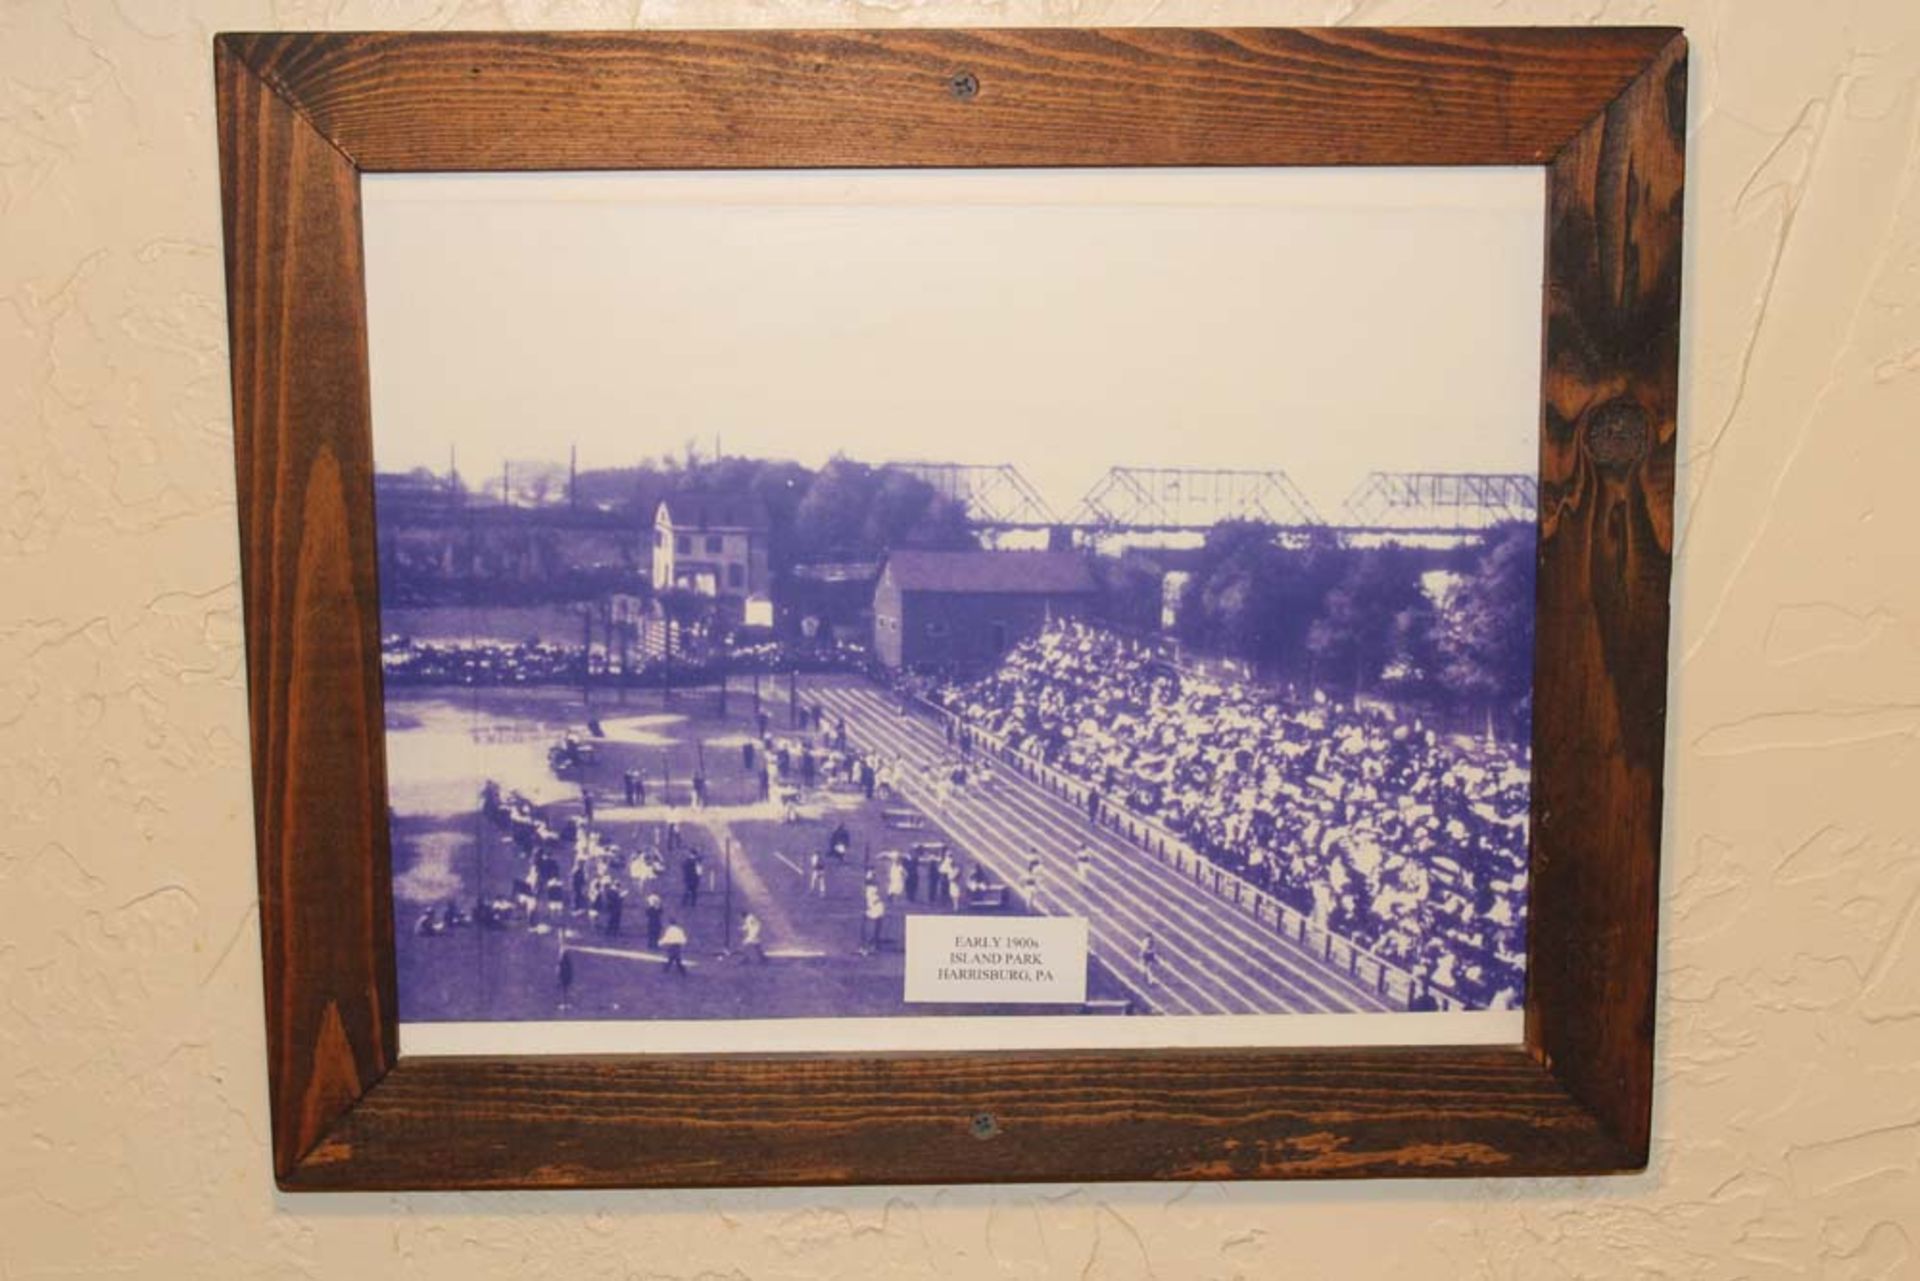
{"x":1324,"y":322}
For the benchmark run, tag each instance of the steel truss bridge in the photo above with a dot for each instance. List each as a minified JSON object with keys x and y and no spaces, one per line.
{"x":1448,"y":500}
{"x":1172,"y":500}
{"x":995,"y":494}
{"x":1160,"y":500}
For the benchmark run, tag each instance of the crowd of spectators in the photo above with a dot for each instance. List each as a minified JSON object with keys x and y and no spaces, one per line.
{"x":406,"y":660}
{"x":1403,"y":840}
{"x":478,"y":662}
{"x":781,"y":656}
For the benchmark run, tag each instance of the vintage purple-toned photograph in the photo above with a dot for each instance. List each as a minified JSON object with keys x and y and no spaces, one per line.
{"x":769,"y":561}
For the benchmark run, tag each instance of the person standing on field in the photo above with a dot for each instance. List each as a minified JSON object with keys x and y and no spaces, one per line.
{"x":949,"y":881}
{"x":876,"y":920}
{"x":1030,"y":886}
{"x":690,"y":879}
{"x":750,"y":945}
{"x":674,"y":940}
{"x":655,"y":921}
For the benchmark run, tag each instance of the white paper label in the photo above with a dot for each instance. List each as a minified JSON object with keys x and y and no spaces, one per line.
{"x":1000,"y":960}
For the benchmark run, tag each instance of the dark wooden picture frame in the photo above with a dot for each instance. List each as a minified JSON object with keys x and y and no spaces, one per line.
{"x":302,"y":116}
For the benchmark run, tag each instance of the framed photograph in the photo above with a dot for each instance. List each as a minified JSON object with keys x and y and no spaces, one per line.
{"x":942,"y":606}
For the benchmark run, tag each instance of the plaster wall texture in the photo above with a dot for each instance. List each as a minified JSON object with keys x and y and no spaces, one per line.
{"x":132,"y":1092}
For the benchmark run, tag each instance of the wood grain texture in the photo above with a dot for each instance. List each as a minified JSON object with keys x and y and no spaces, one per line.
{"x":680,"y":1121}
{"x":302,"y":116}
{"x":1610,"y":388}
{"x":755,"y":99}
{"x":303,"y":454}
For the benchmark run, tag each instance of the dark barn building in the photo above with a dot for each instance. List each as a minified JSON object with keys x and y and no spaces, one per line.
{"x":965,"y":609}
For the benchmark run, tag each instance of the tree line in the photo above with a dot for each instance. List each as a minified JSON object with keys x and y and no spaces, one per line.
{"x":844,"y":510}
{"x":1447,"y":629}
{"x":840,"y":511}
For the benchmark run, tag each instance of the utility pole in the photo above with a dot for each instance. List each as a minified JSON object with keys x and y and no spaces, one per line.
{"x":482,"y":903}
{"x":626,"y":649}
{"x":586,"y":656}
{"x":606,"y":637}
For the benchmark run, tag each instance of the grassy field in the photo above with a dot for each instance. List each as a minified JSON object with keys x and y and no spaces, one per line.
{"x":444,"y":744}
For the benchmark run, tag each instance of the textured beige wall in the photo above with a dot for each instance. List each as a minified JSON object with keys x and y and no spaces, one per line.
{"x":132,"y":1096}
